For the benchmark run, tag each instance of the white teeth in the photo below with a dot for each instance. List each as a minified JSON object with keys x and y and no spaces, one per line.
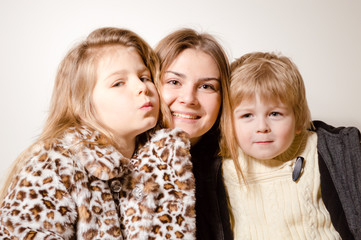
{"x":184,"y":116}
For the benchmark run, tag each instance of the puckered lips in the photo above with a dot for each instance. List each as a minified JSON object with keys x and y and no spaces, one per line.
{"x":147,"y":106}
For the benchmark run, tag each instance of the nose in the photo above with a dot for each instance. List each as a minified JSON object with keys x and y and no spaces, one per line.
{"x":188,"y":96}
{"x":141,"y":87}
{"x":263,"y":126}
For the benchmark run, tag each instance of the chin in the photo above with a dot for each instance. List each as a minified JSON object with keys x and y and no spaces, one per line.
{"x":190,"y":133}
{"x":152,"y":123}
{"x":265,"y":157}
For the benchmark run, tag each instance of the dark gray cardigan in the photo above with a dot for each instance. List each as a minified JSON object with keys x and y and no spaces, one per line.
{"x":339,"y":152}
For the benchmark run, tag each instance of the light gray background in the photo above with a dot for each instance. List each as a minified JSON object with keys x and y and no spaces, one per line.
{"x":323,"y":37}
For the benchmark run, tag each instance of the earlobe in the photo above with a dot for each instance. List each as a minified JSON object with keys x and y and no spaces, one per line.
{"x":298,"y":129}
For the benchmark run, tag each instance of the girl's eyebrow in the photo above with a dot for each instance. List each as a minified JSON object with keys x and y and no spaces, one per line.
{"x":209,"y":79}
{"x":116,"y":73}
{"x":243,"y":109}
{"x":181,"y":75}
{"x":124,"y":71}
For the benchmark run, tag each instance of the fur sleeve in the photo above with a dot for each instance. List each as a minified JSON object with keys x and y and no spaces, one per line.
{"x":38,"y":205}
{"x":160,"y":195}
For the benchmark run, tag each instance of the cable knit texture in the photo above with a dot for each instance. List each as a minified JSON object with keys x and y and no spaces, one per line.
{"x":76,"y":188}
{"x":273,"y":206}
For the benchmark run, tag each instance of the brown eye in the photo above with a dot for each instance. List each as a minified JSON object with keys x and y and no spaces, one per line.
{"x":207,"y":87}
{"x":173,"y":82}
{"x":247,"y":115}
{"x":145,"y":79}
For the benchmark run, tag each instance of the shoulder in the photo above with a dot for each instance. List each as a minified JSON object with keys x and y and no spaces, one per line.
{"x":55,"y":160}
{"x":171,"y":136}
{"x":227,"y":163}
{"x":328,"y":135}
{"x":324,"y":128}
{"x":167,"y":142}
{"x":229,"y":172}
{"x":207,"y":148}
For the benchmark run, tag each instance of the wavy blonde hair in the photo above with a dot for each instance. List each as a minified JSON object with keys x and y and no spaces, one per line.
{"x":71,"y":103}
{"x":272,"y":77}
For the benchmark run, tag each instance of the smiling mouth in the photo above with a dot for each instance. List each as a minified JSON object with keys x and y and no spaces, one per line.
{"x":187,"y":116}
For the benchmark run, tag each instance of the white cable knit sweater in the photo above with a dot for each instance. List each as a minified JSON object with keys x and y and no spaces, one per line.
{"x":274,"y":206}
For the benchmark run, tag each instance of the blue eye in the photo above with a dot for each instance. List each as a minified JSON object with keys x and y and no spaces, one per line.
{"x":118,"y":84}
{"x":275,"y":114}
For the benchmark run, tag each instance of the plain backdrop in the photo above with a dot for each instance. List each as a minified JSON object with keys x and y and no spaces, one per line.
{"x":323,"y":38}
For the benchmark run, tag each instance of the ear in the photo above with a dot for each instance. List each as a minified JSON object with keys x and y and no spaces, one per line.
{"x":298,"y":128}
{"x":298,"y":131}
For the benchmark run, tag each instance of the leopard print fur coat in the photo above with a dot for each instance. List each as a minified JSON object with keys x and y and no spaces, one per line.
{"x":74,"y":188}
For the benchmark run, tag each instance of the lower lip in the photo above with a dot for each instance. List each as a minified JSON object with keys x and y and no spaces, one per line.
{"x":147,"y":108}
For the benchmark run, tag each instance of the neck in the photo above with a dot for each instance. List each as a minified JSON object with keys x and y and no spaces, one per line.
{"x":126,"y":147}
{"x":194,"y":140}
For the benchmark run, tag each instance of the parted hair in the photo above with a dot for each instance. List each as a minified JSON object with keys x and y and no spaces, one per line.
{"x":71,"y":103}
{"x":273,"y":77}
{"x":169,"y":48}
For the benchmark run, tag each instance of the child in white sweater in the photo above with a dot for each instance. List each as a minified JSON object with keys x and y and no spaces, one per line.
{"x":283,"y":180}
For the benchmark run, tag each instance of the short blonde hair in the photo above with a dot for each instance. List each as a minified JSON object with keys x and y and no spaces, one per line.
{"x":272,"y":77}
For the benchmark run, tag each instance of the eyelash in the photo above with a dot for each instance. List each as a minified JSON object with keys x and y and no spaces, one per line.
{"x":247,"y":115}
{"x":208,"y":86}
{"x":144,"y":79}
{"x":274,"y":114}
{"x":173,"y":82}
{"x":204,"y":86}
{"x":117,"y":84}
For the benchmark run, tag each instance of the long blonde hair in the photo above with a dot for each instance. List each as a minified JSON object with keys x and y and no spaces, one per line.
{"x":173,"y":44}
{"x":71,"y":104}
{"x":271,"y":76}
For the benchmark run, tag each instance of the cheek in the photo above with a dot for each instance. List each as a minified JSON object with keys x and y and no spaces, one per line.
{"x":97,"y":103}
{"x":287,"y":134}
{"x":212,"y":104}
{"x":155,"y":92}
{"x":241,"y":133}
{"x":168,"y":96}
